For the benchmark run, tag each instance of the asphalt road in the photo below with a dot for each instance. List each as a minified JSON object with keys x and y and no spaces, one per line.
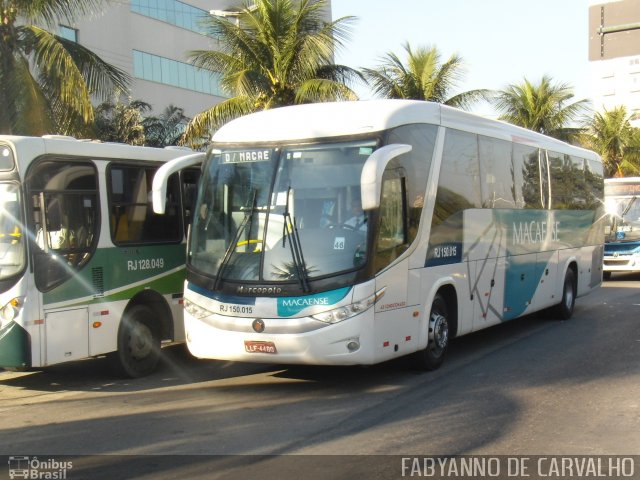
{"x":534,"y":386}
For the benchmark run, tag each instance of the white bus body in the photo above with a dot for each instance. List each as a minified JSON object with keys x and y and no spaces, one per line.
{"x":468,"y":222}
{"x":622,"y":231}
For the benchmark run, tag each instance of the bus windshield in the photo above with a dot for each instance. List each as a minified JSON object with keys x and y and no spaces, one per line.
{"x":281,"y":214}
{"x":12,"y":246}
{"x":624,"y":218}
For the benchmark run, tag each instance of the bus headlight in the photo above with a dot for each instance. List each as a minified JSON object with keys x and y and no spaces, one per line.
{"x":194,"y":310}
{"x":347,"y":311}
{"x":10,"y":311}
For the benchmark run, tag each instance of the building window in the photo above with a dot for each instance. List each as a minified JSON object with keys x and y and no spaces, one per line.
{"x":68,"y":33}
{"x":173,"y":12}
{"x":178,"y":74}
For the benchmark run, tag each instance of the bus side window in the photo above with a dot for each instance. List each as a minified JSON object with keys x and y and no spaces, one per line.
{"x":189,"y":194}
{"x":132,"y":218}
{"x":64,"y":216}
{"x":392,"y":236}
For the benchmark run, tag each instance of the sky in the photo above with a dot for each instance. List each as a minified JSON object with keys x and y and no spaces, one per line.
{"x":501,"y":41}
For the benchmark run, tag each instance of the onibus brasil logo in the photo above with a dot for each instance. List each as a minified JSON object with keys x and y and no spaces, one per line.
{"x":34,"y":468}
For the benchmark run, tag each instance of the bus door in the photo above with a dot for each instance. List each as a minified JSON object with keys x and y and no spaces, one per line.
{"x":64,"y":215}
{"x":395,"y":326}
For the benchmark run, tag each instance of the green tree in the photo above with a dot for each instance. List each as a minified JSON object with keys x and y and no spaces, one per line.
{"x":48,"y":81}
{"x":279,"y":52}
{"x":610,"y":134}
{"x":422,"y":77}
{"x":545,"y":108}
{"x":165,"y":129}
{"x":120,"y":122}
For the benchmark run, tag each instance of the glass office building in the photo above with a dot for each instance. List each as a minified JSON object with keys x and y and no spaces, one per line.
{"x":150,"y":40}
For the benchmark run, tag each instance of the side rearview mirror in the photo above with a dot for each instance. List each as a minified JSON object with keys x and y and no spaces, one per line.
{"x":371,"y":178}
{"x":160,"y":179}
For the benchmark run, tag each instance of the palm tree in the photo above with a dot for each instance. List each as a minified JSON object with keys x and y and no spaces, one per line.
{"x":48,"y":81}
{"x":422,"y":77}
{"x":546,"y":107}
{"x":611,"y":135}
{"x":167,"y":129}
{"x":120,"y":122}
{"x":279,"y":52}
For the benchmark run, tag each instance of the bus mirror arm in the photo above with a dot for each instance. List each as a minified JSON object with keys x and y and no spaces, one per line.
{"x":160,"y":179}
{"x":371,"y":178}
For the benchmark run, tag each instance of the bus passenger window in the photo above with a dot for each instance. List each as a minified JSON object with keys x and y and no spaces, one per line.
{"x":392,"y":236}
{"x":132,"y":218}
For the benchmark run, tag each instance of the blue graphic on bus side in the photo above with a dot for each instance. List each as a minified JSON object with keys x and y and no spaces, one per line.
{"x":290,"y":306}
{"x":444,"y":254}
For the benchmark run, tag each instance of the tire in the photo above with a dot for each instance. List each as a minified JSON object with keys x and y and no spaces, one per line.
{"x":138,"y":343}
{"x":438,"y":329}
{"x":564,"y":309}
{"x":606,"y":275}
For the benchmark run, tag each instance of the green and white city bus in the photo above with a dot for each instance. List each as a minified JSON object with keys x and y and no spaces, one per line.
{"x":358,"y":232}
{"x":86,"y":267}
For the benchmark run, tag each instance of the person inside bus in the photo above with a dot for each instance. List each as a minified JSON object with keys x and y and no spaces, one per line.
{"x":358,"y":220}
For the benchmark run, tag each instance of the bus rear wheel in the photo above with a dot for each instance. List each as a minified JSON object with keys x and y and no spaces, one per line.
{"x":138,"y":343}
{"x":564,"y":309}
{"x":433,"y":355}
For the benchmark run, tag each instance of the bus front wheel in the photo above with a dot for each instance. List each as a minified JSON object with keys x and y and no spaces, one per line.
{"x":433,"y":355}
{"x":138,"y":343}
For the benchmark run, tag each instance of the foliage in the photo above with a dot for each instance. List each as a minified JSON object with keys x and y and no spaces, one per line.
{"x":279,"y":52}
{"x":166,"y":129}
{"x":422,"y":77}
{"x":48,"y":81}
{"x":545,"y":108}
{"x":119,"y":122}
{"x":611,"y":135}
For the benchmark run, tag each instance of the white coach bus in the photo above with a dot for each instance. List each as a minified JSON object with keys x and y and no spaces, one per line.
{"x":357,"y":232}
{"x":622,"y":241}
{"x":86,"y":267}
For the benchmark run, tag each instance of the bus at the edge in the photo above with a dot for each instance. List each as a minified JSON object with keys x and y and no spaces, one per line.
{"x":86,"y":267}
{"x":622,"y":231}
{"x":358,"y":232}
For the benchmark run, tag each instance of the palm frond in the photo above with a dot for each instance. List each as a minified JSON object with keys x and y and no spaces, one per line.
{"x":50,"y":12}
{"x":545,"y":107}
{"x":278,"y":53}
{"x":210,"y":120}
{"x":320,"y":90}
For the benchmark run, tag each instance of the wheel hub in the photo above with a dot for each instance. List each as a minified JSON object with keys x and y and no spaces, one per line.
{"x":141,"y":341}
{"x":438,"y":330}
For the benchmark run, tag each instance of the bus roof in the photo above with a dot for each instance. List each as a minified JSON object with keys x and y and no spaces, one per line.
{"x":336,"y":119}
{"x":29,"y":148}
{"x":616,"y":180}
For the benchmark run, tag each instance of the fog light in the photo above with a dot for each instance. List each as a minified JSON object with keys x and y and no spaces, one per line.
{"x":353,"y":346}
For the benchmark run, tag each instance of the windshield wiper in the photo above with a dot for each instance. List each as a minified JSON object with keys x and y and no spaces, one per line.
{"x":290,"y":228}
{"x":247,"y":220}
{"x":628,"y":207}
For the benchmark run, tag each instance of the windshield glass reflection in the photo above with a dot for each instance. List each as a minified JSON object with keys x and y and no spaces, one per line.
{"x":12,"y":242}
{"x":290,"y":214}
